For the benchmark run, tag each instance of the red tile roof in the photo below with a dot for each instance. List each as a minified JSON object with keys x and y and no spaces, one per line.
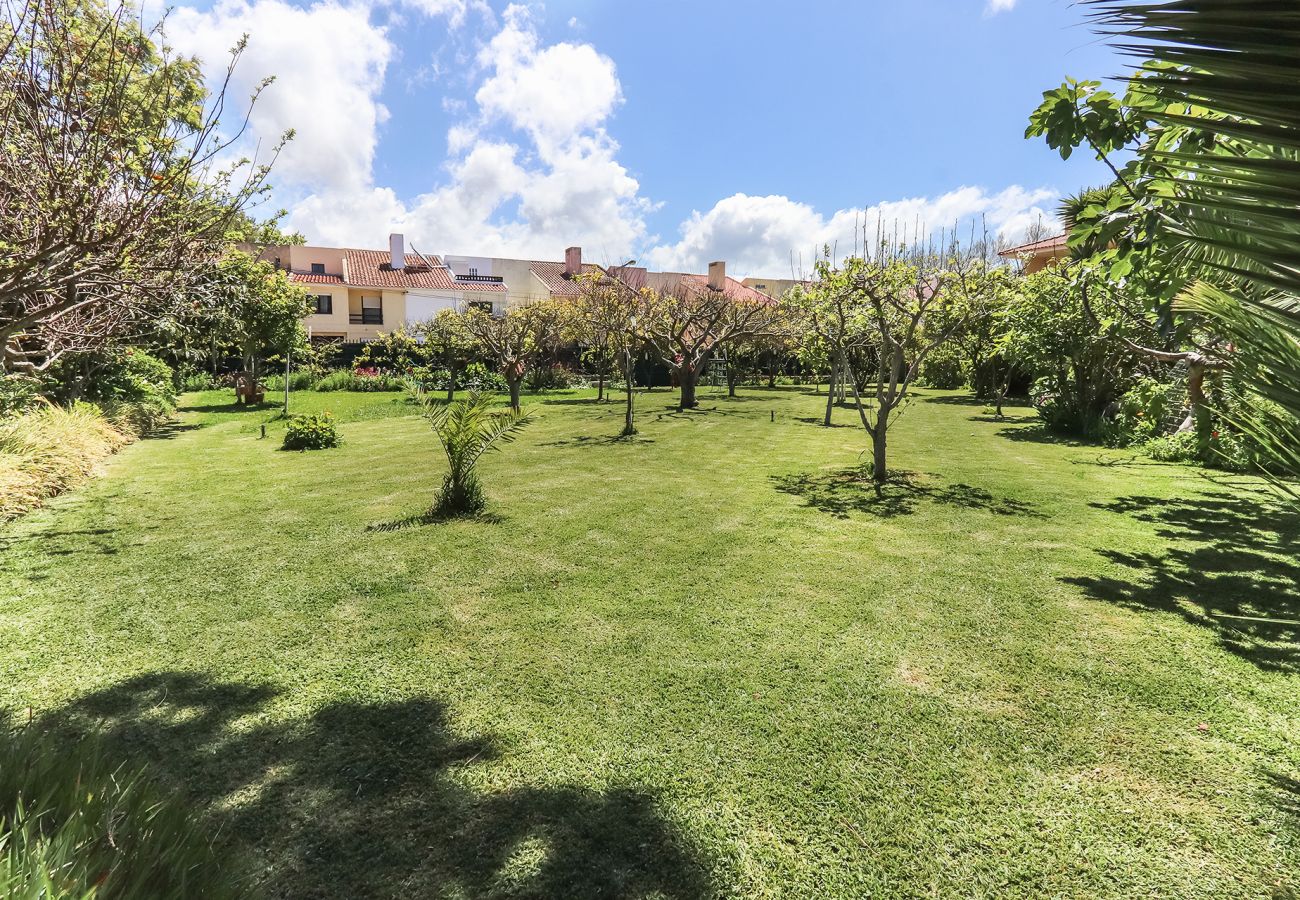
{"x":559,"y":284}
{"x":734,"y":288}
{"x":315,"y":278}
{"x":370,"y":268}
{"x":1055,"y":244}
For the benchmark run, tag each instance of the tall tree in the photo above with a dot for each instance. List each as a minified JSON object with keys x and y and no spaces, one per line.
{"x":689,"y":323}
{"x":518,"y":339}
{"x":449,"y":342}
{"x":1211,"y":190}
{"x":902,"y":291}
{"x":612,"y":315}
{"x":110,"y":191}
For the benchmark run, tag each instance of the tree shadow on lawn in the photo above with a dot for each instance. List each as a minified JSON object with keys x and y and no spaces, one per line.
{"x":597,"y":440}
{"x":170,"y":431}
{"x":1230,"y":567}
{"x":367,"y":799}
{"x":1041,"y":434}
{"x":429,"y":517}
{"x":852,"y":490}
{"x":820,"y":422}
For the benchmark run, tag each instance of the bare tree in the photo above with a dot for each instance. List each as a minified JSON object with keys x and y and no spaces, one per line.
{"x":688,"y":323}
{"x":110,"y":190}
{"x":613,"y":312}
{"x":900,"y":290}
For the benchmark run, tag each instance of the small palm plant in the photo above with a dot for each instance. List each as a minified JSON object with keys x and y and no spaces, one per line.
{"x":468,"y":428}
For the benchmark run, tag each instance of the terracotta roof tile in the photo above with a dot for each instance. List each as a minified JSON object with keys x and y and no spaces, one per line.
{"x":1055,"y":244}
{"x":315,"y":278}
{"x":559,"y":284}
{"x":370,"y":268}
{"x":734,"y":288}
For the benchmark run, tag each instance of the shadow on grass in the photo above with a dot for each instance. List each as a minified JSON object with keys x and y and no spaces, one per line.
{"x":594,"y":440}
{"x":364,"y":799}
{"x":1230,"y":566}
{"x":820,"y":422}
{"x":852,"y":490}
{"x":1041,"y":434}
{"x":419,"y":520}
{"x":1005,"y":419}
{"x":170,"y":431}
{"x":233,"y":407}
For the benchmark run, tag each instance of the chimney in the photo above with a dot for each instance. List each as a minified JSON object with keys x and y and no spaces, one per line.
{"x":718,"y":276}
{"x":397,"y":251}
{"x":572,"y":262}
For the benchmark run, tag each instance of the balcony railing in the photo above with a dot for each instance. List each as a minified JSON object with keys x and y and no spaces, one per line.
{"x":367,"y":317}
{"x":491,"y":279}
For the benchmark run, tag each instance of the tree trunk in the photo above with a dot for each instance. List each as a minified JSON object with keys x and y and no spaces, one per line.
{"x":731,"y":379}
{"x":600,"y":384}
{"x":514,"y":392}
{"x":452,"y":374}
{"x":879,"y":470}
{"x":629,"y":425}
{"x":830,"y":393}
{"x":1196,"y":401}
{"x":687,"y":377}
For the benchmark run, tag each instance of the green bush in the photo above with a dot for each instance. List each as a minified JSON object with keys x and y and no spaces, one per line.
{"x":1143,"y":412}
{"x":1180,"y":447}
{"x":199,"y":381}
{"x":551,"y":378}
{"x":943,"y":369}
{"x":17,"y":395}
{"x":74,"y":825}
{"x":363,"y":380}
{"x":314,"y":432}
{"x":302,"y":380}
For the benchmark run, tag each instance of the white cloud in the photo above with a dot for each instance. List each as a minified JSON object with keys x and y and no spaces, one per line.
{"x":328,"y":61}
{"x":776,"y":236}
{"x":993,"y":7}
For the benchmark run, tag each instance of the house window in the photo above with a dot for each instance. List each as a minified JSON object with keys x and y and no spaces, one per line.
{"x":318,"y":268}
{"x":277,"y":263}
{"x":372,"y":312}
{"x":324,"y":304}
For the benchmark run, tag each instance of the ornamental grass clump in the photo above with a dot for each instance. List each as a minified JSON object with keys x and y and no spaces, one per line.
{"x":469,"y":428}
{"x":48,"y":449}
{"x":73,"y":825}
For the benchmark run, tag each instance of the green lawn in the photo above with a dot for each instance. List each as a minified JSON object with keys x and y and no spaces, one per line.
{"x":704,"y":662}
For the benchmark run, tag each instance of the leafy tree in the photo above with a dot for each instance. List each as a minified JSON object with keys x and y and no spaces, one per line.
{"x":905,"y":297}
{"x":467,"y":429}
{"x":688,"y":324}
{"x":518,"y":339}
{"x":253,"y":307}
{"x":611,"y":316}
{"x":110,"y":195}
{"x":449,"y":342}
{"x":831,"y":318}
{"x":1208,"y":198}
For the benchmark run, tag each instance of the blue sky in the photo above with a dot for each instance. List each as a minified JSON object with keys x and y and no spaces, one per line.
{"x":675,"y":131}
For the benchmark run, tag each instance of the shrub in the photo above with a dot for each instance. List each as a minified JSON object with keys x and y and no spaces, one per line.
{"x":199,"y":381}
{"x":551,"y":378}
{"x":314,"y":432}
{"x":48,"y":449}
{"x":364,"y":380}
{"x":17,"y":395}
{"x":73,"y":825}
{"x":136,"y":391}
{"x":301,"y":380}
{"x":478,"y":377}
{"x":943,"y":369}
{"x":1180,"y":447}
{"x":1142,"y":413}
